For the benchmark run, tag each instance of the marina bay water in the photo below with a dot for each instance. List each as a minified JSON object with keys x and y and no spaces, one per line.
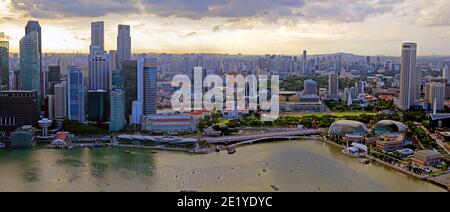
{"x":300,"y":165}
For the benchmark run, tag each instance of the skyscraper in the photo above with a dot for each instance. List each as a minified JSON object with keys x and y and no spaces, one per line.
{"x":98,"y":35}
{"x":123,"y":45}
{"x":117,"y":110}
{"x":98,"y":106}
{"x":333,"y":85}
{"x":311,"y":87}
{"x":4,"y":65}
{"x":113,"y":61}
{"x":150,"y":87}
{"x":129,"y":72}
{"x":437,"y":96}
{"x":30,"y":76}
{"x":446,"y":73}
{"x":409,"y":77}
{"x":60,"y":101}
{"x":76,"y":95}
{"x":54,"y":77}
{"x":99,"y":71}
{"x":33,"y":26}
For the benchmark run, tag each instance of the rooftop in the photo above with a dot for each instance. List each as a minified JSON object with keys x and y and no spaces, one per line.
{"x":440,"y":116}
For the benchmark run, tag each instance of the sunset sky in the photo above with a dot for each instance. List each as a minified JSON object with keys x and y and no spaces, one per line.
{"x":237,"y":26}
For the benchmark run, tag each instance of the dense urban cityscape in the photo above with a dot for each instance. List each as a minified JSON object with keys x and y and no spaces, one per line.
{"x":382,"y":111}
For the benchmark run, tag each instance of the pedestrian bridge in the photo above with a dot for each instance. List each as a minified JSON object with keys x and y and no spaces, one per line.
{"x":262,"y":136}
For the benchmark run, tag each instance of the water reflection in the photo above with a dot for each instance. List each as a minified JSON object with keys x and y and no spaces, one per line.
{"x":302,"y":165}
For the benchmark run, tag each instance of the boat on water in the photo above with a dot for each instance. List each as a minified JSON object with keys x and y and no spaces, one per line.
{"x":231,"y":150}
{"x":98,"y":146}
{"x":365,"y":161}
{"x":127,"y":151}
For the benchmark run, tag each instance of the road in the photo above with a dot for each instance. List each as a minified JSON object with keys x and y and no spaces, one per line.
{"x":242,"y":138}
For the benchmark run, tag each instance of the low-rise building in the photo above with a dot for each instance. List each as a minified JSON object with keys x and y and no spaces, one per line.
{"x":427,"y":158}
{"x":169,"y":124}
{"x":390,"y":143}
{"x":23,"y":137}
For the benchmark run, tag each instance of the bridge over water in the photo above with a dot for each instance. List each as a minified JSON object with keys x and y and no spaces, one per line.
{"x":262,"y":136}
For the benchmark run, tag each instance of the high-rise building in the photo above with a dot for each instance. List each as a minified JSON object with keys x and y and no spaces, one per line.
{"x":18,"y":108}
{"x":123,"y":45}
{"x":409,"y":77}
{"x":4,"y":65}
{"x":310,"y":87}
{"x":113,"y":61}
{"x":30,"y":75}
{"x":51,"y":107}
{"x":33,"y":26}
{"x":98,"y":36}
{"x":437,"y":96}
{"x":76,"y":95}
{"x":97,"y":106}
{"x":333,"y":85}
{"x":99,"y":71}
{"x":446,"y":73}
{"x":147,"y":88}
{"x":117,"y":110}
{"x":54,"y":77}
{"x":129,"y":71}
{"x":60,"y":101}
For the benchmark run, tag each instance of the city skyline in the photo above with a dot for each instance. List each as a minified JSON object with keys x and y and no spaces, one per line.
{"x":237,"y":26}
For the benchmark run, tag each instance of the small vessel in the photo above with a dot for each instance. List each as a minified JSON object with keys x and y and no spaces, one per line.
{"x":98,"y":146}
{"x":153,"y":152}
{"x":275,"y":188}
{"x":218,"y":148}
{"x":365,"y":161}
{"x":127,"y":151}
{"x":231,"y":150}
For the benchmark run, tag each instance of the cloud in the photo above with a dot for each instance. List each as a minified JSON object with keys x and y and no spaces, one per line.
{"x":188,"y":35}
{"x":72,"y":8}
{"x":346,"y":10}
{"x":311,"y":10}
{"x":434,"y":13}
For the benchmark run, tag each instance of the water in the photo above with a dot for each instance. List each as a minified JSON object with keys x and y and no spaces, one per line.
{"x":301,"y":165}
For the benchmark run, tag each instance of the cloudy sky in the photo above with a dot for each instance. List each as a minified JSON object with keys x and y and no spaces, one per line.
{"x":375,"y":27}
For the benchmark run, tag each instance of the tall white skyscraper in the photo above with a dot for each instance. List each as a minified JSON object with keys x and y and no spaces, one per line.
{"x":76,"y":95}
{"x":409,"y":77}
{"x":98,"y":35}
{"x":123,"y":45}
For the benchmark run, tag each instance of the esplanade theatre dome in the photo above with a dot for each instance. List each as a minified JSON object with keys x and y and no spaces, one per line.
{"x":388,"y":127}
{"x":346,"y":127}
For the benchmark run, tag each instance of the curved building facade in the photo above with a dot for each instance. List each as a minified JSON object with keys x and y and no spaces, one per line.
{"x":345,"y":127}
{"x":388,"y":127}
